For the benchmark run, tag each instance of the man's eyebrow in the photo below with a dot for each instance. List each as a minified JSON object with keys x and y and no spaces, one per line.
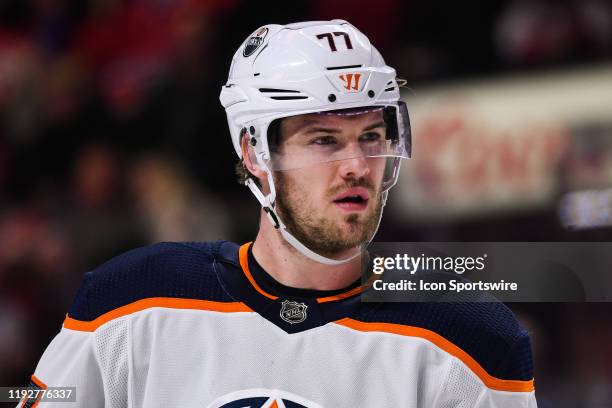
{"x":322,"y":130}
{"x":376,"y":125}
{"x":318,"y":129}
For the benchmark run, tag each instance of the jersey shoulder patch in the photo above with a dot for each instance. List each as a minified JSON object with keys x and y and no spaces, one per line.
{"x":167,"y":269}
{"x":487,"y":331}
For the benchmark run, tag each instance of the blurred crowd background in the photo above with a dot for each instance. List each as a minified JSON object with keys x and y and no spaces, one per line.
{"x":112,"y":137}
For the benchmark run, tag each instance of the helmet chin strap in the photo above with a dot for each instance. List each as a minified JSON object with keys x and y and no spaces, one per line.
{"x":267,"y":202}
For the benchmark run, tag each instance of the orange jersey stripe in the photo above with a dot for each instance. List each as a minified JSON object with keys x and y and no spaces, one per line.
{"x":244,"y":263}
{"x":490,"y":381}
{"x":350,"y":292}
{"x":243,"y":255}
{"x":173,"y":303}
{"x":340,"y":296}
{"x":42,"y":386}
{"x":38,"y":382}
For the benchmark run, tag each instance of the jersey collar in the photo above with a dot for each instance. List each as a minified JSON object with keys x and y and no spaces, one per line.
{"x":292,"y":309}
{"x":267,"y":286}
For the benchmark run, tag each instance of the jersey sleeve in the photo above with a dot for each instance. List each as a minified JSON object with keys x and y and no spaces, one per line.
{"x":505,"y":399}
{"x":92,"y":350}
{"x":71,"y":360}
{"x":516,"y":364}
{"x":480,"y":357}
{"x":467,"y":384}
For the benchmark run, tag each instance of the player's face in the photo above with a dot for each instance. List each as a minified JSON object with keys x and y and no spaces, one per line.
{"x":331,"y":206}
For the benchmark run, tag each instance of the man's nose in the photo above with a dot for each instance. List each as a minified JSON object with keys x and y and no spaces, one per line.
{"x":355,"y":167}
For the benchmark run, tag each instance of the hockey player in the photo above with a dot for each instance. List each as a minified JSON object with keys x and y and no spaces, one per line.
{"x":315,"y":118}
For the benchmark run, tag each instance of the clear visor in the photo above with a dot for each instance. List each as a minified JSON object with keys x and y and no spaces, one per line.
{"x":314,"y":139}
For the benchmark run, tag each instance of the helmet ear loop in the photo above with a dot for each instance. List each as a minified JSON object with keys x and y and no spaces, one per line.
{"x":272,"y":195}
{"x":259,"y":152}
{"x":256,"y":152}
{"x":266,"y":200}
{"x":248,"y":144}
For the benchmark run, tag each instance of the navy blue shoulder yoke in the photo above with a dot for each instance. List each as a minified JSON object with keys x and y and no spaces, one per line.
{"x":167,"y":269}
{"x":487,"y":331}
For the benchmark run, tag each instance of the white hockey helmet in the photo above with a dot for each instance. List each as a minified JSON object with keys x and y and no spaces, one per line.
{"x":311,"y":67}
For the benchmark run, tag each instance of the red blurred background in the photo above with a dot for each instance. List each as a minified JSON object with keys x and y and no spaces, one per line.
{"x":112,"y":137}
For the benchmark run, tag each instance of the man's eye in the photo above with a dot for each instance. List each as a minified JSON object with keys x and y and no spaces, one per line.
{"x":370,"y":137}
{"x":324,"y":140}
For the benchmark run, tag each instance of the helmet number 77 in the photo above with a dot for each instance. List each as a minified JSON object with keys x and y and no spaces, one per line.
{"x":332,"y":43}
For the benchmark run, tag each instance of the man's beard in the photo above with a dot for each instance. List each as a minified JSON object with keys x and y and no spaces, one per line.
{"x":321,"y":235}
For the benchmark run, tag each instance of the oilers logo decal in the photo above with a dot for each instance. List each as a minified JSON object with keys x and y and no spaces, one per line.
{"x":254,"y":42}
{"x":293,"y":312}
{"x":262,"y":398}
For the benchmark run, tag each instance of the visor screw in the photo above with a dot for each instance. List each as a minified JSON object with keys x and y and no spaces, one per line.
{"x":253,"y":141}
{"x":371,"y":93}
{"x":252,"y":130}
{"x":332,"y":98}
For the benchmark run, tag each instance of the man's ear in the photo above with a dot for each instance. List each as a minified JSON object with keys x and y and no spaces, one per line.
{"x":249,"y":159}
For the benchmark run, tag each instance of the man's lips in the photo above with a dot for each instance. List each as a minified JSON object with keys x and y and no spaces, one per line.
{"x":354,"y":199}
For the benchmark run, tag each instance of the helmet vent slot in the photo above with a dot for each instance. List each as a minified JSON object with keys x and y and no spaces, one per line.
{"x":389,"y":89}
{"x":273,"y":93}
{"x":344,"y":67}
{"x":287,"y":98}
{"x":268,"y":90}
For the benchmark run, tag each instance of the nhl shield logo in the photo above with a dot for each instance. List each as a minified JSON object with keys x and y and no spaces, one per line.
{"x":254,"y":42}
{"x":293,"y":312}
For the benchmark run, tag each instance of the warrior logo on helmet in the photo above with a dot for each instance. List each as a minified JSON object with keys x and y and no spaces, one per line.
{"x":254,"y":42}
{"x":351,"y":82}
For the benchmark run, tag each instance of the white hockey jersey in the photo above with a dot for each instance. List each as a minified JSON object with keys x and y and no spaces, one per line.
{"x":200,"y":325}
